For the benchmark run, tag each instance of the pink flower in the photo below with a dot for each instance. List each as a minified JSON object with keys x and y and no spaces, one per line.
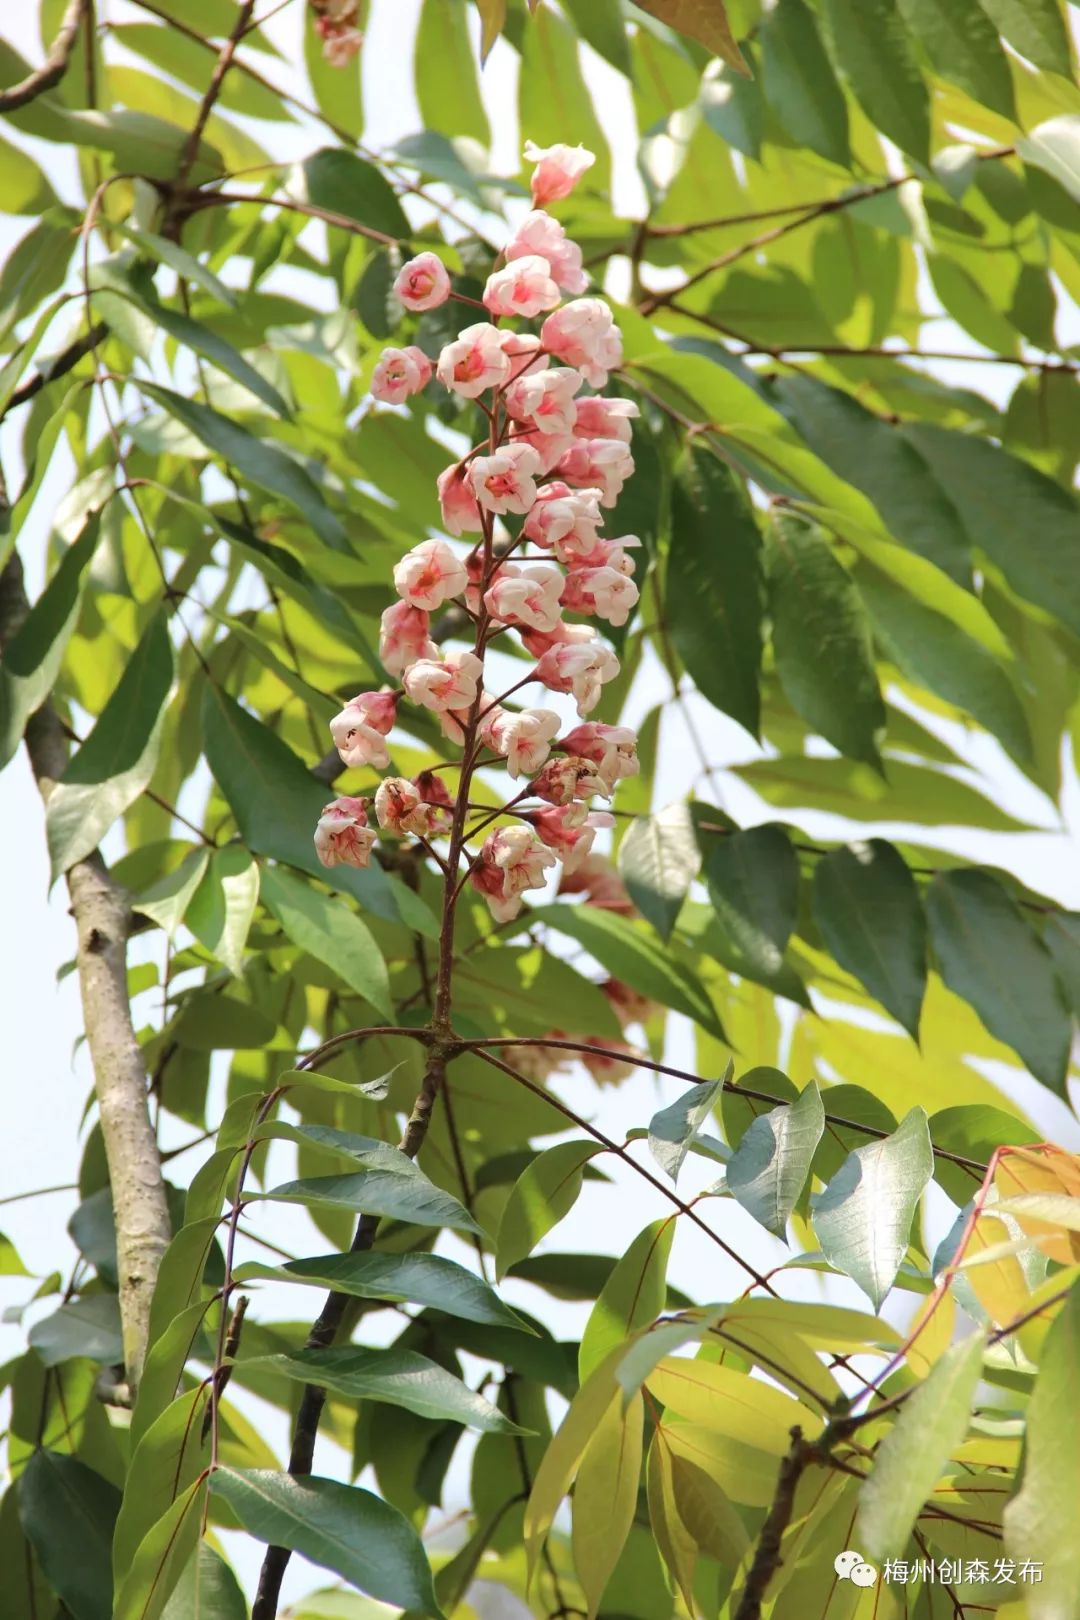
{"x":512,"y":860}
{"x":605,"y":464}
{"x":569,"y":830}
{"x":475,"y":361}
{"x":340,"y":46}
{"x":523,"y":288}
{"x":538,"y":642}
{"x":629,"y":1005}
{"x":429,"y":575}
{"x":423,"y":283}
{"x":614,"y":1066}
{"x":524,"y":739}
{"x":548,"y":447}
{"x":401,"y":808}
{"x":583,"y":334}
{"x":604,"y":554}
{"x":567,"y":778}
{"x":613,"y":749}
{"x":602,"y":593}
{"x":600,"y":418}
{"x":433,"y":790}
{"x":399,"y":374}
{"x":444,"y":683}
{"x":544,"y":400}
{"x":343,"y":837}
{"x":558,"y":170}
{"x":598,"y":881}
{"x":460,"y":513}
{"x":503,"y":482}
{"x":359,"y":731}
{"x":564,"y":518}
{"x":581,"y":668}
{"x":527,"y":596}
{"x":541,"y":234}
{"x":404,"y":636}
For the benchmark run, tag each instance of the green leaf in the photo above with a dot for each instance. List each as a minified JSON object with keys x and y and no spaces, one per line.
{"x":410,"y":1198}
{"x":554,"y":103}
{"x":189,"y":61}
{"x":658,"y":860}
{"x":800,"y":83}
{"x":161,"y":1558}
{"x":963,"y":46}
{"x":1026,"y":523}
{"x":753,"y":883}
{"x":166,"y":901}
{"x":33,"y":656}
{"x":1038,"y":1520}
{"x":704,"y":20}
{"x":543,"y":1193}
{"x":422,"y":1279}
{"x":867,"y":906}
{"x":1055,"y":147}
{"x":631,"y":954}
{"x":493,"y":20}
{"x":184,"y":263}
{"x":338,"y":91}
{"x":673,"y":1130}
{"x":989,"y":953}
{"x":223,"y":906}
{"x":768,"y":1169}
{"x":88,"y":1326}
{"x":713,"y":594}
{"x":396,"y":1378}
{"x":258,"y":460}
{"x":220,"y":353}
{"x":601,"y":25}
{"x":23,"y":189}
{"x":907,"y":1463}
{"x":447,"y":90}
{"x":632,"y":1297}
{"x":329,"y":930}
{"x":207,"y":1590}
{"x":67,"y":1513}
{"x":863,"y":1218}
{"x":343,"y":183}
{"x":170,"y":1457}
{"x":871,"y":47}
{"x":117,"y":760}
{"x":973,"y":1131}
{"x":912,"y":793}
{"x":1062,"y":936}
{"x":1036,"y":29}
{"x":340,"y":1527}
{"x":821,"y":638}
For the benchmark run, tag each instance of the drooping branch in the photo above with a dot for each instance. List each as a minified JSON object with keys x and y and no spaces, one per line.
{"x":53,"y":68}
{"x":102,"y":917}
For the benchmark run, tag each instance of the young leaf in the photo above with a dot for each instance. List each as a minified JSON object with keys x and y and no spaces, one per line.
{"x":597,"y":1395}
{"x":932,"y":1423}
{"x":863,"y":1218}
{"x":872,"y":49}
{"x":753,"y":882}
{"x":605,"y":1496}
{"x":800,"y":83}
{"x":397,"y":1378}
{"x":713,"y":595}
{"x":729,"y":1402}
{"x":421,"y":1279}
{"x":672,"y":1130}
{"x":768,"y":1169}
{"x":868,"y":909}
{"x":633,"y":1296}
{"x":990,"y":954}
{"x":340,"y":1527}
{"x":658,"y":860}
{"x":67,"y":1513}
{"x":821,"y":638}
{"x":705,"y":21}
{"x":380,"y":1192}
{"x":543,"y":1193}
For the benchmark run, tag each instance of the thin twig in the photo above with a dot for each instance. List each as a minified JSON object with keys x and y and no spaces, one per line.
{"x":213,"y":90}
{"x":53,"y":68}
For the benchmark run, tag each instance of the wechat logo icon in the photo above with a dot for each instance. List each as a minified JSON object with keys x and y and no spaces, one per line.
{"x":851,"y":1566}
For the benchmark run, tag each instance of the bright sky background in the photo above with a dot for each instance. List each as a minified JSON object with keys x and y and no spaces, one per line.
{"x":46,"y":1082}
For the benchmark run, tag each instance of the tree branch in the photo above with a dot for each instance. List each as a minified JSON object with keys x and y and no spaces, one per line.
{"x":64,"y":362}
{"x":213,"y":90}
{"x":103,"y":919}
{"x":767,"y":1559}
{"x":53,"y":68}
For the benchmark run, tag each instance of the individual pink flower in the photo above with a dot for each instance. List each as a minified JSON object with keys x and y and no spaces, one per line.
{"x":549,"y":448}
{"x":558,"y":170}
{"x":460,"y":512}
{"x":602,"y":593}
{"x":540,"y":233}
{"x":504,"y":482}
{"x":603,"y":464}
{"x":523,"y":739}
{"x":399,"y":374}
{"x":596,"y":878}
{"x":614,"y":1065}
{"x":538,"y":642}
{"x":567,"y":778}
{"x":604,"y":554}
{"x":423,"y":283}
{"x":360,"y":730}
{"x":343,"y":837}
{"x":404,"y":636}
{"x":401,"y":808}
{"x":512,"y":860}
{"x":613,"y":749}
{"x":628,"y":1004}
{"x":565,"y":517}
{"x":602,"y":418}
{"x":569,"y":830}
{"x":581,"y":668}
{"x":444,"y":683}
{"x":474,"y":362}
{"x":524,"y":288}
{"x":429,"y":575}
{"x":537,"y":1063}
{"x":582,"y":334}
{"x":433,"y":790}
{"x":528,"y":596}
{"x":340,"y":44}
{"x":523,"y":351}
{"x":545,"y":399}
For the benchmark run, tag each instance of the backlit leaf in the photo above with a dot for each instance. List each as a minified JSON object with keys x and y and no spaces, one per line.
{"x":768,"y":1169}
{"x":543,"y":1193}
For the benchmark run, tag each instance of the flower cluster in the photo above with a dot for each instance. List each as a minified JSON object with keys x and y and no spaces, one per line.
{"x":336,"y":25}
{"x":524,"y":511}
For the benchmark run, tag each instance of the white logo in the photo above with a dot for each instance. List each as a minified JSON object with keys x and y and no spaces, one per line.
{"x":850,"y":1566}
